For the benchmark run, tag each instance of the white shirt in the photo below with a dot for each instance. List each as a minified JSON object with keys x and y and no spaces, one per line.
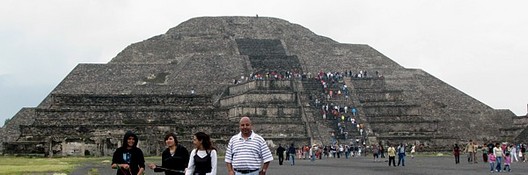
{"x":247,"y":154}
{"x":201,"y":154}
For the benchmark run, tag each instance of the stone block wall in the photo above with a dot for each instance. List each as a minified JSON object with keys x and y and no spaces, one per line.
{"x":369,"y":83}
{"x":391,"y":109}
{"x":260,"y":85}
{"x":275,"y":98}
{"x":11,"y":130}
{"x":380,"y":96}
{"x":270,"y":111}
{"x":119,"y":117}
{"x":260,"y":47}
{"x":242,"y":88}
{"x":275,"y":63}
{"x":131,"y":100}
{"x":404,"y":126}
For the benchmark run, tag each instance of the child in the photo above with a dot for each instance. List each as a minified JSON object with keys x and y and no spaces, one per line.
{"x":491,"y":159}
{"x":507,"y":162}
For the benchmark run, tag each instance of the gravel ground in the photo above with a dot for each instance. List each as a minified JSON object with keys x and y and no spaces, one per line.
{"x":357,"y":165}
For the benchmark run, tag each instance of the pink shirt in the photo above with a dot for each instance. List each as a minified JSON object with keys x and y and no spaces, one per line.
{"x":491,"y":158}
{"x":507,"y":160}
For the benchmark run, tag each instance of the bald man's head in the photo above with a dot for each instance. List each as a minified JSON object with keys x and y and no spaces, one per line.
{"x":245,"y":126}
{"x":245,"y":119}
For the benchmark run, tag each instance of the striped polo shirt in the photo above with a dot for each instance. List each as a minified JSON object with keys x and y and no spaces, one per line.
{"x":247,"y":154}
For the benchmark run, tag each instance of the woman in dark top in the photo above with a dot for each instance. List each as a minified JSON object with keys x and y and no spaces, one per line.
{"x":456,"y":153}
{"x":128,"y":159}
{"x":203,"y":157}
{"x":174,"y":159}
{"x":291,"y":151}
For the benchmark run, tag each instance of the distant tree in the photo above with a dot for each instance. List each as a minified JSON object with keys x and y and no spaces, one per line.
{"x":7,"y":121}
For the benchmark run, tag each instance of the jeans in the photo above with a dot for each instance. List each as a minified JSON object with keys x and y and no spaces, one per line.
{"x":401,"y":159}
{"x":492,"y":165}
{"x":292,"y":159}
{"x":499,"y":162}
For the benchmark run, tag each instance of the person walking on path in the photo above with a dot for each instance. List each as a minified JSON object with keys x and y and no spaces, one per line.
{"x":491,"y":160}
{"x":413,"y":150}
{"x":313,"y":150}
{"x":174,"y":158}
{"x":381,"y":150}
{"x":497,"y":152}
{"x":247,"y":152}
{"x":291,"y":152}
{"x":392,"y":155}
{"x":471,"y":150}
{"x":507,"y":162}
{"x":280,"y":153}
{"x":484,"y":153}
{"x":401,"y":154}
{"x":514,"y":152}
{"x":523,"y":150}
{"x":456,"y":153}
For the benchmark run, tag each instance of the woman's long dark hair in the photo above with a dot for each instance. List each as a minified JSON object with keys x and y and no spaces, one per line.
{"x":206,"y":140}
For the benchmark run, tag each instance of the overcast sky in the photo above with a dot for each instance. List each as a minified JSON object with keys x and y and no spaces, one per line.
{"x":478,"y":46}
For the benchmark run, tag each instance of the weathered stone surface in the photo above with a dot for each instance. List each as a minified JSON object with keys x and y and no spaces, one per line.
{"x":182,"y":81}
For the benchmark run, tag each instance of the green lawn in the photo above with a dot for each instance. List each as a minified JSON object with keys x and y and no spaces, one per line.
{"x":35,"y":165}
{"x":29,"y":165}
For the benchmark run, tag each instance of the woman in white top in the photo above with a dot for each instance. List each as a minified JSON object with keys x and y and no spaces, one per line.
{"x":413,"y":150}
{"x":203,"y":158}
{"x":497,"y":151}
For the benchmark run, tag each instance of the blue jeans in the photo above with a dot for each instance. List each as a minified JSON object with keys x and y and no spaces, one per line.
{"x":401,"y":158}
{"x":492,"y":166}
{"x":499,"y":162}
{"x":292,"y":159}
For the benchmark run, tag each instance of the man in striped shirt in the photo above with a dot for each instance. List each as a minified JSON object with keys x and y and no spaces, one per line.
{"x":247,"y":152}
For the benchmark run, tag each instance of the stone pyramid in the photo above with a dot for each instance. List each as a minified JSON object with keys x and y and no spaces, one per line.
{"x":183,"y":81}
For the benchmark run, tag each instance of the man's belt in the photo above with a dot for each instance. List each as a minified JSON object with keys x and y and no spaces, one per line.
{"x":245,"y":171}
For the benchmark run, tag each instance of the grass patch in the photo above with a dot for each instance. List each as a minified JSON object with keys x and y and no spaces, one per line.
{"x":27,"y":165}
{"x":93,"y":171}
{"x":63,"y":165}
